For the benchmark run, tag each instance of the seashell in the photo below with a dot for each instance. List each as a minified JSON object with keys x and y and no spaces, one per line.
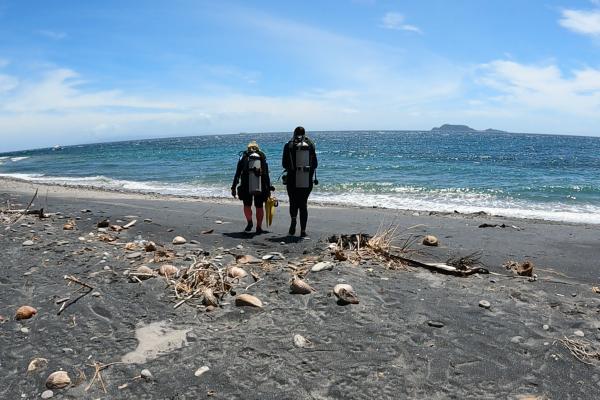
{"x":209,"y":298}
{"x":143,"y":272}
{"x":131,"y":246}
{"x":179,"y":240}
{"x":323,"y":265}
{"x":430,"y":240}
{"x":301,"y":341}
{"x":150,"y":246}
{"x":116,"y":228}
{"x":168,"y":270}
{"x":237,"y":272}
{"x":248,"y":300}
{"x":25,"y":312}
{"x":298,"y":286}
{"x":37,"y":363}
{"x":58,"y":380}
{"x":248,"y":259}
{"x":345,"y":293}
{"x":68,"y":227}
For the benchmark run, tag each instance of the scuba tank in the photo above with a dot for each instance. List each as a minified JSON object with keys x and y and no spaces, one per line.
{"x":254,"y":173}
{"x":302,"y":164}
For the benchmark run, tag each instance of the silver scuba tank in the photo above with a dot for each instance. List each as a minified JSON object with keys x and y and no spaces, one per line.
{"x":254,"y":173}
{"x":302,"y":164}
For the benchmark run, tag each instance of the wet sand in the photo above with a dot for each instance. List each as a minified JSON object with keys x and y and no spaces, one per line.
{"x":384,"y":346}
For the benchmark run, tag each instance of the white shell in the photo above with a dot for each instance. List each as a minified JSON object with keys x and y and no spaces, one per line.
{"x":168,"y":270}
{"x":236,"y":272}
{"x":430,"y":240}
{"x":37,"y":363}
{"x":248,"y":259}
{"x":345,"y":293}
{"x":58,"y":380}
{"x":179,"y":240}
{"x":248,"y":300}
{"x":301,"y":341}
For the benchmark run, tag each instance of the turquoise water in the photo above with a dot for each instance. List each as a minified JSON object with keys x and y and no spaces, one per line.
{"x":531,"y":176}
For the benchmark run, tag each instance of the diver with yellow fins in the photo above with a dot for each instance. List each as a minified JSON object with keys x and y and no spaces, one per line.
{"x":252,"y":174}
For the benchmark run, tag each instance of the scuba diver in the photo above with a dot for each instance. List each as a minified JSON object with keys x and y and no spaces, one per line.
{"x":255,"y":185}
{"x":300,"y":163}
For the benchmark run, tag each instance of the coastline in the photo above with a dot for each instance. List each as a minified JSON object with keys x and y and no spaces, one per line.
{"x":414,"y":334}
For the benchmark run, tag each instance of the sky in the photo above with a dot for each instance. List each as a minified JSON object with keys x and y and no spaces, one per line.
{"x":92,"y":71}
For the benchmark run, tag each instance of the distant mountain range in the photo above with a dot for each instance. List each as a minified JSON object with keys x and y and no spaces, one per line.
{"x":463,"y":129}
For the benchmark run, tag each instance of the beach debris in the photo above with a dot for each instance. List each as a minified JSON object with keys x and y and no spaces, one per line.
{"x":178,"y":240}
{"x":150,"y":246}
{"x":105,"y":223}
{"x":321,"y":266}
{"x":201,"y":371}
{"x":116,"y":228}
{"x":130,"y":224}
{"x":168,"y":270}
{"x":146,"y":374}
{"x":339,"y":255}
{"x":435,"y":324}
{"x":131,"y":246}
{"x":248,"y":259}
{"x":25,"y":312}
{"x":58,"y":380}
{"x":236,"y":272}
{"x":301,"y":341}
{"x":218,"y":222}
{"x":596,"y":289}
{"x":582,"y":350}
{"x":142,"y":273}
{"x":522,"y":269}
{"x":28,"y":243}
{"x":70,"y":225}
{"x":208,"y":231}
{"x":248,"y":300}
{"x":430,"y":240}
{"x":208,"y":298}
{"x":579,"y":333}
{"x":484,"y":304}
{"x":47,"y":394}
{"x":36,"y":364}
{"x":465,"y":263}
{"x":298,"y":286}
{"x":345,"y":293}
{"x":68,"y":301}
{"x":135,"y":254}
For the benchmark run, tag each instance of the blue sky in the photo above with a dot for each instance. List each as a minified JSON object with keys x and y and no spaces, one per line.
{"x":88,"y":71}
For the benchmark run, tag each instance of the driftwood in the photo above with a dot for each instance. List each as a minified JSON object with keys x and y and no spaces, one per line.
{"x":129,"y":224}
{"x":83,"y":285}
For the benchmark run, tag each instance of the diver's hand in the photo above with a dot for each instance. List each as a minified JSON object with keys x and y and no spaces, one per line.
{"x":233,"y":193}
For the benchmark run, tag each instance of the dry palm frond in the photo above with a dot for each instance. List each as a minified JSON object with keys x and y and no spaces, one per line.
{"x":466,"y":262}
{"x":581,"y":350}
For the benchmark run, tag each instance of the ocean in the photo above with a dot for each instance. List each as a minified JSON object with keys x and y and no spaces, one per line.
{"x":520,"y":175}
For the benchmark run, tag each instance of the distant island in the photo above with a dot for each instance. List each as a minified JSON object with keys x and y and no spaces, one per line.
{"x":463,"y":129}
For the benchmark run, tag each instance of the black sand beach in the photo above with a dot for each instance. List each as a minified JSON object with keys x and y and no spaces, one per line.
{"x":415,"y":334}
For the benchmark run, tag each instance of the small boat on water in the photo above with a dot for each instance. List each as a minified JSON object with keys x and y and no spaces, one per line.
{"x":57,"y":147}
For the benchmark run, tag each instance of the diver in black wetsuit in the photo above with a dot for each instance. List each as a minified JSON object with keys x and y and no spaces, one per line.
{"x":300,"y":162}
{"x":252,"y":173}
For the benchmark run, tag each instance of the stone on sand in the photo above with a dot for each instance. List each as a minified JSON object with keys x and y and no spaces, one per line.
{"x":579,"y":333}
{"x":47,"y":394}
{"x":146,"y":374}
{"x":28,"y":243}
{"x":321,"y":266}
{"x":201,"y":371}
{"x":430,"y":240}
{"x":177,"y":240}
{"x":485,"y":304}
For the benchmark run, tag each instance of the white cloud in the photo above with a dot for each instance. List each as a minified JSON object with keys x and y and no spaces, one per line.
{"x":52,"y":34}
{"x":534,"y":87}
{"x":583,"y":22}
{"x":393,"y":20}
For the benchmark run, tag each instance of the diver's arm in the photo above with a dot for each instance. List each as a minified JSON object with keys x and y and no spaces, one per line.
{"x":285,"y":160}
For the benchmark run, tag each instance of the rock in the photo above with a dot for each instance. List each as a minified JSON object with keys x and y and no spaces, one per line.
{"x":106,"y":268}
{"x":28,"y":243}
{"x":301,"y":341}
{"x":177,"y":240}
{"x":150,"y":246}
{"x":36,"y":364}
{"x":321,"y":266}
{"x":485,"y":304}
{"x":147,"y":220}
{"x":579,"y":333}
{"x":546,"y":327}
{"x":435,"y":324}
{"x":103,"y":224}
{"x":430,"y":240}
{"x":47,"y":394}
{"x":267,"y":257}
{"x":135,"y":254}
{"x":146,"y":374}
{"x":58,"y":380}
{"x":201,"y":371}
{"x":25,"y":312}
{"x":96,"y":294}
{"x":142,"y":273}
{"x":218,"y":222}
{"x":25,"y":330}
{"x":209,"y":308}
{"x":69,"y":226}
{"x":168,"y":270}
{"x":516,"y":339}
{"x":239,"y":246}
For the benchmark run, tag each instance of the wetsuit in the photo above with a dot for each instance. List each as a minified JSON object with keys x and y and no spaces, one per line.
{"x":298,"y":196}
